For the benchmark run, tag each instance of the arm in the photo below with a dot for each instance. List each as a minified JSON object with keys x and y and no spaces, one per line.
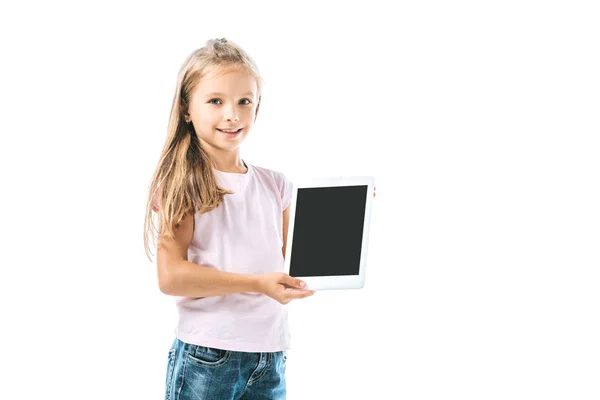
{"x":286,"y":221}
{"x":179,"y":277}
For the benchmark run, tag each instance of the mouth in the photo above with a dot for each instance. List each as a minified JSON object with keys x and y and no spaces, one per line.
{"x":230,"y":133}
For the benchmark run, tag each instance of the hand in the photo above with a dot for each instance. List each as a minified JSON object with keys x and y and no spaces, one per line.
{"x":282,"y":287}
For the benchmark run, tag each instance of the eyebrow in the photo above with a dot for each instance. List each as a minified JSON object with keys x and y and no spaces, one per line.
{"x":223,"y":94}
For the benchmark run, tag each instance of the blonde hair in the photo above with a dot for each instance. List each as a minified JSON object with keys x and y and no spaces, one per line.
{"x":184,"y":181}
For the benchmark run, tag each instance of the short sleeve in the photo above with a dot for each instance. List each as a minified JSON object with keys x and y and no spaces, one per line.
{"x":286,"y":187}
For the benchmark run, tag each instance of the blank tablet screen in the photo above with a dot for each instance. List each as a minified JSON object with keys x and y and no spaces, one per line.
{"x":328,"y":231}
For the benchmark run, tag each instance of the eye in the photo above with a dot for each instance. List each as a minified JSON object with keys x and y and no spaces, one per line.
{"x":245,"y":104}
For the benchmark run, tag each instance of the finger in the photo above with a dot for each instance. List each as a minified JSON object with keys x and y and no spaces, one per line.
{"x":306,"y":293}
{"x":299,"y":294}
{"x":294,"y":282}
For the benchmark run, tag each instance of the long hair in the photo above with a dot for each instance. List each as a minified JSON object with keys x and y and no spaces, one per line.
{"x":184,"y":181}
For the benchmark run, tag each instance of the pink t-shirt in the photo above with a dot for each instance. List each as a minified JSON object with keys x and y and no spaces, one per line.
{"x":244,"y":234}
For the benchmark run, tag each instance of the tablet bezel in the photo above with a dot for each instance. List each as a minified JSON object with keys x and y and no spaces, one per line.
{"x":339,"y":281}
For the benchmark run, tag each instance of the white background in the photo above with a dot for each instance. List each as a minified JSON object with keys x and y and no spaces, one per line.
{"x":478,"y":119}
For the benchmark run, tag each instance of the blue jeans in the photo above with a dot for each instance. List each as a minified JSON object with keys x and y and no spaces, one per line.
{"x":198,"y":372}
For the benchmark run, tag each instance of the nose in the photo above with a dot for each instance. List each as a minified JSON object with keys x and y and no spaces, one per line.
{"x":232,"y":114}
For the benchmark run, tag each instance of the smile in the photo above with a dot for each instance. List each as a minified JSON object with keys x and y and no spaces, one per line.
{"x":230,"y":133}
{"x":228,"y":130}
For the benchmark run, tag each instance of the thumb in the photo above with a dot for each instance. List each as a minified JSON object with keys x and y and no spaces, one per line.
{"x":295,"y":282}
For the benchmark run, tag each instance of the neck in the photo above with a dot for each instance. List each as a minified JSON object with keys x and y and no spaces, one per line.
{"x":226,"y":161}
{"x":236,"y":166}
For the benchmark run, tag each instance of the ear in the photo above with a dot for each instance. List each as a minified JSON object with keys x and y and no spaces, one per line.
{"x":257,"y":107}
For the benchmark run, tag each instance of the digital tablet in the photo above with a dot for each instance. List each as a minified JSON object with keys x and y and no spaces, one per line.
{"x":328,"y":232}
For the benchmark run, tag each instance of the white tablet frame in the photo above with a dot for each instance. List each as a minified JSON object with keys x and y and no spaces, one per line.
{"x":340,"y":281}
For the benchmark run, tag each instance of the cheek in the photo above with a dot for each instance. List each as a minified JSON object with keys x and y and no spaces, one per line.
{"x":249,"y":113}
{"x":205,"y":117}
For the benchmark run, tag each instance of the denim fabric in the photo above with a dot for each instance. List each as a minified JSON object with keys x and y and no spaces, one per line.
{"x":199,"y":373}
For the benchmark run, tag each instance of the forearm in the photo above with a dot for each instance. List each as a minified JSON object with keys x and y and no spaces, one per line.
{"x":192,"y":280}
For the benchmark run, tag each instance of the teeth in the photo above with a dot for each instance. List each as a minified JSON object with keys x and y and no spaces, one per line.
{"x":222,"y":130}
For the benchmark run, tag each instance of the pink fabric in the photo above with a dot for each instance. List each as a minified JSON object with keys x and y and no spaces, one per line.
{"x":245,"y":235}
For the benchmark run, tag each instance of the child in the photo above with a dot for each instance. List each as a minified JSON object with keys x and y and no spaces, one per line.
{"x":222,"y":236}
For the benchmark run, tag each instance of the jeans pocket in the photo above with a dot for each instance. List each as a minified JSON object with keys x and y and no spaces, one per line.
{"x":208,"y":356}
{"x":170,"y":369}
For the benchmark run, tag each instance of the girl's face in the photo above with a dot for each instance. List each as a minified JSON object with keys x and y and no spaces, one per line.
{"x":225,"y":102}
